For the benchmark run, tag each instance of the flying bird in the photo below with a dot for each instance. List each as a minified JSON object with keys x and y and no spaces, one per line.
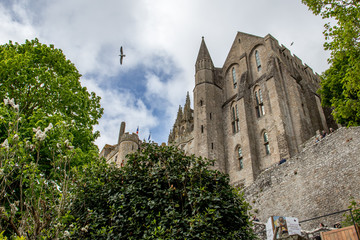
{"x":291,"y":43}
{"x":121,"y":55}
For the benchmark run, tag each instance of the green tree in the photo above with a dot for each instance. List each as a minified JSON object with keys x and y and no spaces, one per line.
{"x":46,"y":136}
{"x":340,"y":85}
{"x":33,"y":204}
{"x":159,"y":194}
{"x":37,"y":77}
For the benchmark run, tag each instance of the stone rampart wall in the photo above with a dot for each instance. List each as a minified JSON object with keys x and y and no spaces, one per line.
{"x":319,"y":180}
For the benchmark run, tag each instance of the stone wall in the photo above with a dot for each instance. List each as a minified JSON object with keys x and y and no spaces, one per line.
{"x":319,"y":180}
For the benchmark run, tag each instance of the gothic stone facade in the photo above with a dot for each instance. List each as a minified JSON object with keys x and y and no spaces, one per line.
{"x":254,"y":111}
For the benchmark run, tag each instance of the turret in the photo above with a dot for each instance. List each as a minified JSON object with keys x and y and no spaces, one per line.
{"x":208,"y":132}
{"x":127,"y":143}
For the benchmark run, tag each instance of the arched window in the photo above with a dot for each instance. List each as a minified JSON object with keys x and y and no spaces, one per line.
{"x":259,"y":104}
{"x":235,"y":118}
{"x":258,"y":62}
{"x":234,"y":77}
{"x":266,"y":143}
{"x":240,"y":158}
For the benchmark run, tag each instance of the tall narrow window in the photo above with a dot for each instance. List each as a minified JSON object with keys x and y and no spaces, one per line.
{"x":240,"y":158}
{"x":234,"y":77}
{"x":258,"y":62}
{"x":202,"y":129}
{"x":259,"y":104}
{"x":266,"y":143}
{"x":235,"y":119}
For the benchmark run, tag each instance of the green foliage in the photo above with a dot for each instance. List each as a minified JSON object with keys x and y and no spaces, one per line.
{"x":159,"y":194}
{"x":46,"y":136}
{"x":33,"y":203}
{"x":355,"y":208}
{"x":44,"y":83}
{"x":340,"y":86}
{"x":340,"y":89}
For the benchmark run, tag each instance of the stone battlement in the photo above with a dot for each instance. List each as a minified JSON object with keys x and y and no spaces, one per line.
{"x":133,"y":137}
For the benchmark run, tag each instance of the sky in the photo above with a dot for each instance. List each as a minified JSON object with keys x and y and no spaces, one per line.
{"x":161,"y":40}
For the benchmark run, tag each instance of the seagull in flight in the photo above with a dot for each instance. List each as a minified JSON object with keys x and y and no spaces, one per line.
{"x":291,"y":43}
{"x":121,"y":55}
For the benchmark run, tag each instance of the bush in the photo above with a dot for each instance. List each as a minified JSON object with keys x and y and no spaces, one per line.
{"x":159,"y":194}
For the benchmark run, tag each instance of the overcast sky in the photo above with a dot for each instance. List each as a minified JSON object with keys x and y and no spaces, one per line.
{"x":161,"y":40}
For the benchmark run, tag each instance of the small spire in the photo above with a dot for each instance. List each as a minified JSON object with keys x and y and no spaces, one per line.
{"x":187,"y":101}
{"x":187,"y":110}
{"x":179,"y":116}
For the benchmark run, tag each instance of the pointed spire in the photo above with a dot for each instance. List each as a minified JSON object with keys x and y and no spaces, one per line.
{"x":203,"y":59}
{"x":179,"y":116}
{"x":187,"y":109}
{"x":187,"y":101}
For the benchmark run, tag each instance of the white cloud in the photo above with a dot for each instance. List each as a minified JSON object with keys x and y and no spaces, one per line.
{"x":120,"y":106}
{"x":15,"y":28}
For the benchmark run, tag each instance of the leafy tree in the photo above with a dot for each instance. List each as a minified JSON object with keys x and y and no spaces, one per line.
{"x":159,"y":194}
{"x":39,"y":77}
{"x":46,"y":132}
{"x":33,"y":204}
{"x":340,"y":85}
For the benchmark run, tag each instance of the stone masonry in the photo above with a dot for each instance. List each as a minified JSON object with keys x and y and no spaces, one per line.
{"x":127,"y":143}
{"x":254,"y":111}
{"x":319,"y":180}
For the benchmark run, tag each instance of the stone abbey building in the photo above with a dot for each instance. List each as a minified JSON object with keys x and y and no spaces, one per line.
{"x":251,"y":113}
{"x":259,"y":108}
{"x":254,"y":111}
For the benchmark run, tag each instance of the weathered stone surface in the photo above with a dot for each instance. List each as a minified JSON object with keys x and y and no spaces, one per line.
{"x":319,"y":180}
{"x":260,"y":89}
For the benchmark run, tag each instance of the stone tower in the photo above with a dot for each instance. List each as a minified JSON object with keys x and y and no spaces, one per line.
{"x":127,"y":143}
{"x":208,"y":134}
{"x":254,"y":111}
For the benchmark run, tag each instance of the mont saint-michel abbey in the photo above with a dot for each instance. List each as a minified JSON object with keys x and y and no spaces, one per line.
{"x":251,"y":113}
